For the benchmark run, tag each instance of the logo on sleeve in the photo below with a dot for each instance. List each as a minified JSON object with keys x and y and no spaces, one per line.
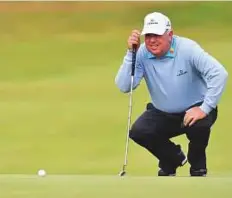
{"x":181,"y":72}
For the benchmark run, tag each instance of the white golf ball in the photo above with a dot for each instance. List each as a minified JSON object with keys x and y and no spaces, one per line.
{"x":41,"y":173}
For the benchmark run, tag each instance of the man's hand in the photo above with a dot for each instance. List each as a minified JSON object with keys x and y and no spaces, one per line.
{"x":134,"y":39}
{"x":192,"y":115}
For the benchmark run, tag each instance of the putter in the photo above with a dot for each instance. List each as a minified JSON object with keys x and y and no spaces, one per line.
{"x":123,"y":172}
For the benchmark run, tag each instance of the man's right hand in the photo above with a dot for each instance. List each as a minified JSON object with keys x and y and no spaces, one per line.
{"x":134,"y":39}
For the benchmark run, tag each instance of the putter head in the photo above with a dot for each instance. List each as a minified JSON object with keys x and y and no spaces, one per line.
{"x":122,"y":173}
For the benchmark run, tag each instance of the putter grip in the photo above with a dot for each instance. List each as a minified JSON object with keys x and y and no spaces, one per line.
{"x":133,"y":59}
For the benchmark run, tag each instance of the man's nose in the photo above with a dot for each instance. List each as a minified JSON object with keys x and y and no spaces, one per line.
{"x":153,"y":38}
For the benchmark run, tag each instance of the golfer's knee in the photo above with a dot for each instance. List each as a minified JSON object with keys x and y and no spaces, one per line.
{"x":136,"y":132}
{"x":141,"y":134}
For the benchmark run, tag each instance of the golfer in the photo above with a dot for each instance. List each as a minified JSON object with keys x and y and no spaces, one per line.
{"x":185,"y":84}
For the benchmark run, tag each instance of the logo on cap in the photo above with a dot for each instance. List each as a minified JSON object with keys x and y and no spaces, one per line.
{"x":152,"y":21}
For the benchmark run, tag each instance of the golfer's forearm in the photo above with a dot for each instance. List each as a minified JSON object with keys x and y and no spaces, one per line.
{"x":215,"y":76}
{"x":215,"y":89}
{"x":122,"y":81}
{"x":123,"y":77}
{"x":213,"y":73}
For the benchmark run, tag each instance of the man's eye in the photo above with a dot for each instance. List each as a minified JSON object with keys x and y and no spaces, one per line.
{"x":151,"y":35}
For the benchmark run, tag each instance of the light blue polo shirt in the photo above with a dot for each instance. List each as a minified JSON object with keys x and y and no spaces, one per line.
{"x":184,"y":76}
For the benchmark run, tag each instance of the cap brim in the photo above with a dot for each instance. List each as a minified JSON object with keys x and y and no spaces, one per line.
{"x":153,"y":31}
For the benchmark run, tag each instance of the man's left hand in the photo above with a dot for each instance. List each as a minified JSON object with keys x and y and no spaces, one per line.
{"x":192,"y":115}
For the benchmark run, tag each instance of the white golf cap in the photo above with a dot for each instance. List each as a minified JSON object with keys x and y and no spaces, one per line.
{"x":156,"y":23}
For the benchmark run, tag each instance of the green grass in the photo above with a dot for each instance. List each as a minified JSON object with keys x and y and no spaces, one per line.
{"x":59,"y":186}
{"x":60,"y":108}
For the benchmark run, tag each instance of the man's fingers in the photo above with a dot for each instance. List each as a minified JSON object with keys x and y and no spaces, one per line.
{"x":187,"y":120}
{"x":134,"y":39}
{"x":192,"y":122}
{"x":135,"y":35}
{"x":192,"y":116}
{"x":137,"y":32}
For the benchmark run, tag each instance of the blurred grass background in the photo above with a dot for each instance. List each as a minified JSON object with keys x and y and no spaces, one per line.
{"x":60,"y":108}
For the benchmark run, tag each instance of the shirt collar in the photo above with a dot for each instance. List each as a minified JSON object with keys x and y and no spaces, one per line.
{"x":169,"y":54}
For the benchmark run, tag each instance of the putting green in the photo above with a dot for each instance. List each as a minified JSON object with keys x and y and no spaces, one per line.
{"x":59,"y":186}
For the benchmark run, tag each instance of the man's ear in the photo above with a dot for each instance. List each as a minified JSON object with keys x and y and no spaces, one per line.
{"x":170,"y":33}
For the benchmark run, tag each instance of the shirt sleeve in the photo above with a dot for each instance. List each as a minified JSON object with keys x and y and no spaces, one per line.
{"x":214,"y":74}
{"x":123,"y":77}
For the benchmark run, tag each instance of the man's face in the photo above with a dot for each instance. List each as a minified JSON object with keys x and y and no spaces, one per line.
{"x":158,"y":44}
